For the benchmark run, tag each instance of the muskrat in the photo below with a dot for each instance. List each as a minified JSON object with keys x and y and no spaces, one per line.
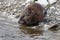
{"x":32,"y":14}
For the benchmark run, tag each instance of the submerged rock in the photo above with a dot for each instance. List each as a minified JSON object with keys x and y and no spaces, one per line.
{"x":55,"y":26}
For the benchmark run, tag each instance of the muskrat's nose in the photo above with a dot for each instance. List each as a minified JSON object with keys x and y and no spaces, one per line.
{"x":20,"y":22}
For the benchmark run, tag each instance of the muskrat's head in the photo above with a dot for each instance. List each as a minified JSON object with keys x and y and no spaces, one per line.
{"x":27,"y":19}
{"x":32,"y":14}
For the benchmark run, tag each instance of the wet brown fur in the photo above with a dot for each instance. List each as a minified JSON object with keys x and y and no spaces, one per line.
{"x":32,"y":14}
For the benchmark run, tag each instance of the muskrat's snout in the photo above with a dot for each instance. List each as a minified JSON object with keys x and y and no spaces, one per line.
{"x":21,"y":22}
{"x":25,"y":20}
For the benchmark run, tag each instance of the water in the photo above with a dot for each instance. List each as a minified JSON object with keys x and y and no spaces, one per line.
{"x":10,"y":29}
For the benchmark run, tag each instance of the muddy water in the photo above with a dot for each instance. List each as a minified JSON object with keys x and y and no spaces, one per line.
{"x":10,"y":30}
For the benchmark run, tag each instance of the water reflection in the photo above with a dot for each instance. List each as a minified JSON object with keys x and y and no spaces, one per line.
{"x":31,"y":31}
